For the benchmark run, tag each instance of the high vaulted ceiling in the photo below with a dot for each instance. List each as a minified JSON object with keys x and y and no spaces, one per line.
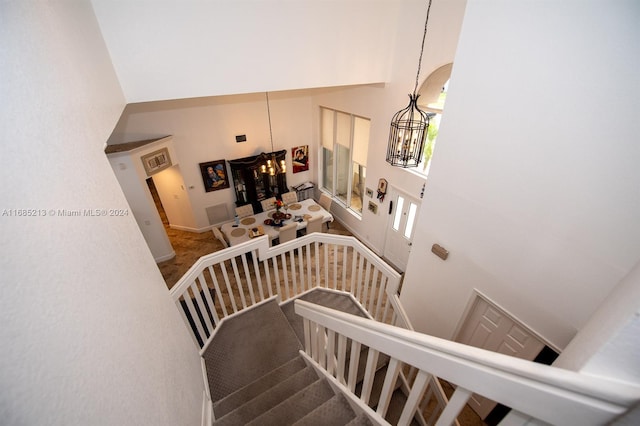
{"x":174,"y":49}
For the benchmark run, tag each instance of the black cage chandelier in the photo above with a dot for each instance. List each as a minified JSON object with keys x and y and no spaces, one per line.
{"x":270,"y":165}
{"x":409,"y":126}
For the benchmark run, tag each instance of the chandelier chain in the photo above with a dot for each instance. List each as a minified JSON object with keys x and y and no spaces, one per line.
{"x":424,"y":36}
{"x":269,"y":115}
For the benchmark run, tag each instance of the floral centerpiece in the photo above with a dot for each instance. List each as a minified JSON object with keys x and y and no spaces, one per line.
{"x":279,"y":216}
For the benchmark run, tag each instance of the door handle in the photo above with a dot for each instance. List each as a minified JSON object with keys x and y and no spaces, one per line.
{"x":390,"y":206}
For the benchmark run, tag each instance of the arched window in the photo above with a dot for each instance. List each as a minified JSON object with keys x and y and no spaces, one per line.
{"x":433,"y":94}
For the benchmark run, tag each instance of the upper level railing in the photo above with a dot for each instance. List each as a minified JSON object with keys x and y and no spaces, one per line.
{"x":226,"y":282}
{"x":550,"y":394}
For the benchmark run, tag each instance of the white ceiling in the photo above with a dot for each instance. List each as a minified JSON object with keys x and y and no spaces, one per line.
{"x":171,"y":49}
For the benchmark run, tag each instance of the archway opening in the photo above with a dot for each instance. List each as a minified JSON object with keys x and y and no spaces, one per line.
{"x":433,"y":94}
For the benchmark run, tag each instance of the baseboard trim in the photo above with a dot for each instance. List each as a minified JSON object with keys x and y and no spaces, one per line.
{"x":188,"y":229}
{"x":359,"y":237}
{"x":165,"y":257}
{"x":207,"y":411}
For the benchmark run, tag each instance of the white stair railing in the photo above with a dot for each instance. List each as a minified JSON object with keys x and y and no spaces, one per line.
{"x":550,"y":394}
{"x":226,"y":282}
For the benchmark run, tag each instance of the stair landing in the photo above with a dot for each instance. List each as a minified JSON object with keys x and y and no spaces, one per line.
{"x":261,"y":339}
{"x":247,"y":347}
{"x":256,"y":375}
{"x":328,"y":299}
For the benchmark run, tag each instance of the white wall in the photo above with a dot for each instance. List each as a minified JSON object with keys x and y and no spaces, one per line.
{"x":534,"y":185}
{"x":129,"y":170}
{"x":204,"y":129}
{"x":89,"y":334}
{"x":608,"y":344}
{"x":173,"y":193}
{"x":231,"y":47}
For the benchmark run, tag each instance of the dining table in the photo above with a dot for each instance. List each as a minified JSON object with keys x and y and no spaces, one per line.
{"x":259,"y":224}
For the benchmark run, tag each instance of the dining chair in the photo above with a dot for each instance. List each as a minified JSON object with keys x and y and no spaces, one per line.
{"x":220,"y":237}
{"x":314,"y":224}
{"x":290,"y":197}
{"x":268,"y":204}
{"x":244,"y":211}
{"x":287,"y":232}
{"x":325,"y":201}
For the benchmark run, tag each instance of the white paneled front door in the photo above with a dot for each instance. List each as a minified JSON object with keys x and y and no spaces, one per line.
{"x":403,"y":211}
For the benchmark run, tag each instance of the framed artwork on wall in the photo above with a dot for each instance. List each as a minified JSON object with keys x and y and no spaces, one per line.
{"x":300,"y":158}
{"x":214,"y":175}
{"x":156,"y":161}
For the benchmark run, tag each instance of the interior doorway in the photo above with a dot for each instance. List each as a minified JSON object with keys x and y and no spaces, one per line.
{"x":158,"y":202}
{"x":486,"y":325}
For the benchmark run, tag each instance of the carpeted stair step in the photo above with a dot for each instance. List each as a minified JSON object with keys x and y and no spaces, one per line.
{"x":360,"y":420}
{"x":335,"y":411}
{"x":267,"y":400}
{"x":383,"y":360}
{"x":320,"y":297}
{"x":297,"y":406}
{"x":263,"y":384}
{"x":248,"y":346}
{"x":340,"y":302}
{"x":376,"y":390}
{"x":266,"y":382}
{"x":396,"y":405}
{"x":398,"y":398}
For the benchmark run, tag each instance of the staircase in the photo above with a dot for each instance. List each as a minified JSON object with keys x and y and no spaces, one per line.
{"x":291,"y":392}
{"x":345,"y":351}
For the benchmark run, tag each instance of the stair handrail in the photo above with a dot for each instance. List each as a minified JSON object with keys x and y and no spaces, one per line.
{"x":261,"y":244}
{"x":203,"y":262}
{"x":322,"y":237}
{"x":551,"y":394}
{"x":200,"y":294}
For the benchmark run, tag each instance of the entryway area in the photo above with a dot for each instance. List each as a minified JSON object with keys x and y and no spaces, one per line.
{"x":403,"y":211}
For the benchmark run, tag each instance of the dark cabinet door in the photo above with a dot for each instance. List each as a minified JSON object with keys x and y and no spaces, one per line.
{"x":251,"y":185}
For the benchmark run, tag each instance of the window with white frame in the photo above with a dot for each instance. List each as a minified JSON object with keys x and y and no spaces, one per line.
{"x":345,"y":138}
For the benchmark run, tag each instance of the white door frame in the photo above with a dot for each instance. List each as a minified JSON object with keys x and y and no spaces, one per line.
{"x":392,"y":194}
